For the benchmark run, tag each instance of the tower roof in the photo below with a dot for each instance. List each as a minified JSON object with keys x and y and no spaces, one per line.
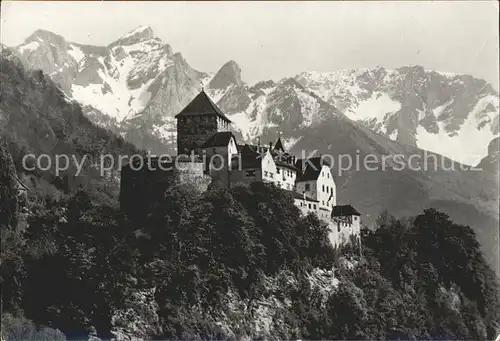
{"x":219,"y":139}
{"x":310,"y":169}
{"x":344,"y":210}
{"x":279,"y":145}
{"x":202,"y":105}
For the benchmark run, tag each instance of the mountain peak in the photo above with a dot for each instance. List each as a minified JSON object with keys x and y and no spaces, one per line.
{"x":41,"y":35}
{"x":229,"y":74}
{"x":140,"y":34}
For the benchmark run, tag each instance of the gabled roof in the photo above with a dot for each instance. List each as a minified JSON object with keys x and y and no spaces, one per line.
{"x":250,"y":157}
{"x":202,"y":105}
{"x":279,"y":145}
{"x":306,"y":171}
{"x":344,"y":210}
{"x":219,"y":139}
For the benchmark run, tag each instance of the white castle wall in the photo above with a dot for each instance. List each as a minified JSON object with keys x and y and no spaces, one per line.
{"x":342,"y":229}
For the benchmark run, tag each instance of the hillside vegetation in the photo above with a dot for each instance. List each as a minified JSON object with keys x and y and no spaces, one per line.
{"x":243,"y":264}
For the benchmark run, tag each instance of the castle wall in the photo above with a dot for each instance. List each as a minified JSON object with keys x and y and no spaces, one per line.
{"x":286,"y":178}
{"x":244,"y":176}
{"x":342,"y":229}
{"x":301,"y":187}
{"x":140,"y":187}
{"x":306,"y":206}
{"x":222,"y":125}
{"x":325,"y":189}
{"x":218,"y":161}
{"x":193,"y":131}
{"x":269,"y":172}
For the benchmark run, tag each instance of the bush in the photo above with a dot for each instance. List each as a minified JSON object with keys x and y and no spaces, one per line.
{"x":22,"y":329}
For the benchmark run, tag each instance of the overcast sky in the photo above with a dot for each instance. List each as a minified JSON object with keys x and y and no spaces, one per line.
{"x":278,"y":39}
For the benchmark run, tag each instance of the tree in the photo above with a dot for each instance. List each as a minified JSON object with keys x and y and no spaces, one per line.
{"x":8,"y":189}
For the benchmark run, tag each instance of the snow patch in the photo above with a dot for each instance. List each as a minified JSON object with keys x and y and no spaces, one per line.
{"x":469,"y":144}
{"x":376,"y":107}
{"x":437,"y":111}
{"x":393,"y":135}
{"x":291,"y":141}
{"x":140,"y":29}
{"x":121,"y":102}
{"x":76,"y":53}
{"x":252,"y":121}
{"x":29,"y":47}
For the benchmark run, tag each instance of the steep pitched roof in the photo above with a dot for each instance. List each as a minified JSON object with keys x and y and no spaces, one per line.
{"x":250,"y":157}
{"x":279,"y":145}
{"x":202,"y":105}
{"x":219,"y":139}
{"x":308,"y":172}
{"x":344,"y":210}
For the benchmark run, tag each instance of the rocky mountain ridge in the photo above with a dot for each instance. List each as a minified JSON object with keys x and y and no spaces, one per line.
{"x":133,"y":75}
{"x":451,"y":114}
{"x":136,"y":84}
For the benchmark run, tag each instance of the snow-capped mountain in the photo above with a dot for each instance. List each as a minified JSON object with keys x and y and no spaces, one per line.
{"x":131,"y":86}
{"x":119,"y":80}
{"x":267,"y":107}
{"x":453,"y":115}
{"x":136,"y":84}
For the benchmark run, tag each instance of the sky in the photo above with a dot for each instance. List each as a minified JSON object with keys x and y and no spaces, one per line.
{"x":272,"y":40}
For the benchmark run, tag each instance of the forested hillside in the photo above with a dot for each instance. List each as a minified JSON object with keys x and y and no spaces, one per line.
{"x":243,"y":264}
{"x":37,"y":118}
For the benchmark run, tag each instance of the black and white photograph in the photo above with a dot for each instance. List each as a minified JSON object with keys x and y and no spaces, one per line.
{"x":249,"y":170}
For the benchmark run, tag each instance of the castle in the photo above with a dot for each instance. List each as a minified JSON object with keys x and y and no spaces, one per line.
{"x":208,"y":151}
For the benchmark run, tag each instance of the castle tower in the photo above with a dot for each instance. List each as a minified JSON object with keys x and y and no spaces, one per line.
{"x":197,"y":122}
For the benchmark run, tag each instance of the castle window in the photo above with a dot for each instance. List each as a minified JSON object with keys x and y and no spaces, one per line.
{"x":271,"y":175}
{"x":277,"y":170}
{"x":265,"y":173}
{"x":250,"y":173}
{"x":323,"y":188}
{"x":314,"y":206}
{"x":309,"y":206}
{"x":307,"y":187}
{"x":331,"y":190}
{"x":355,"y":218}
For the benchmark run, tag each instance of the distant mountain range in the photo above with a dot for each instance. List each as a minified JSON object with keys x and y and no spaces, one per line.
{"x":136,"y":84}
